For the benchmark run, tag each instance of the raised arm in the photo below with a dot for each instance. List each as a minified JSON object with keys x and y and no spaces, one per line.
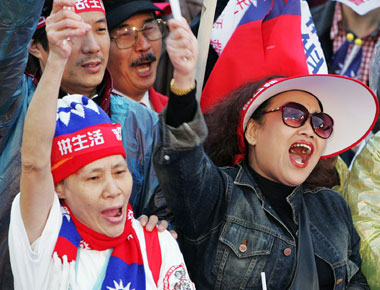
{"x":37,"y":187}
{"x":182,"y":48}
{"x":193,"y":186}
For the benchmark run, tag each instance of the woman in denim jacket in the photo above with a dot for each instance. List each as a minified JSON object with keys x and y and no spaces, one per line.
{"x":255,"y":223}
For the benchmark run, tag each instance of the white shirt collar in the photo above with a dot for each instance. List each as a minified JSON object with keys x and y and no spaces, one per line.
{"x":145,"y":99}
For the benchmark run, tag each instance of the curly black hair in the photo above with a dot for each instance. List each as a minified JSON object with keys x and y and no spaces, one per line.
{"x":223,"y":119}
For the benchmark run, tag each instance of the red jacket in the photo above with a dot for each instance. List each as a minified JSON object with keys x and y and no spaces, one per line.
{"x":157,"y":100}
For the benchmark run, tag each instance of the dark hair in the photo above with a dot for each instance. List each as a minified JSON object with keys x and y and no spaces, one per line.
{"x":223,"y":119}
{"x":324,"y":173}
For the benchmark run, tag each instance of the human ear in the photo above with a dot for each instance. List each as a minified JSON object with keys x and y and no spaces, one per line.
{"x":251,"y":132}
{"x":35,"y":49}
{"x":59,"y":189}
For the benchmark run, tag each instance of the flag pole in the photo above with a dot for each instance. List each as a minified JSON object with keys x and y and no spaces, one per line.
{"x":204,"y":35}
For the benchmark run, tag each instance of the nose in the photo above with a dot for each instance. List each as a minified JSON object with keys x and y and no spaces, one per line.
{"x":90,"y":43}
{"x":307,"y":129}
{"x":111,"y":188}
{"x":142,"y":43}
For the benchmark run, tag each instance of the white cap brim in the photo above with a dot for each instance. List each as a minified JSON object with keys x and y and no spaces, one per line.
{"x":352,"y":105}
{"x":363,"y":7}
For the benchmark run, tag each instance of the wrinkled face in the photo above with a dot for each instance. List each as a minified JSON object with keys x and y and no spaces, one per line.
{"x":88,"y":60}
{"x":280,"y":153}
{"x":98,"y":194}
{"x":132,"y":69}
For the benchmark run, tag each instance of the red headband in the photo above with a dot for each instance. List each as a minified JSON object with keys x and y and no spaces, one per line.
{"x":80,"y":7}
{"x":71,"y":152}
{"x":243,"y":120}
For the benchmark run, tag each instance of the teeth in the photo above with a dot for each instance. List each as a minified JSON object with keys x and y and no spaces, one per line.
{"x":305,"y":148}
{"x":142,"y":70}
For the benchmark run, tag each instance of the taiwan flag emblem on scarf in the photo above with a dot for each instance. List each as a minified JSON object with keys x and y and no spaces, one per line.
{"x":125,"y":269}
{"x":258,"y":38}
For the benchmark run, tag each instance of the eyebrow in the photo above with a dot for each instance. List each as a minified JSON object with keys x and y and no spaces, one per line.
{"x":100,"y":169}
{"x":120,"y":164}
{"x":101,"y":20}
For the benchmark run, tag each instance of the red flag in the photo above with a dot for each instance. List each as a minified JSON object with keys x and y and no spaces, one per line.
{"x":268,"y":40}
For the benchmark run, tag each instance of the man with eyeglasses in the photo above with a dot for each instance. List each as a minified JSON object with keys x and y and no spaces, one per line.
{"x":136,"y":41}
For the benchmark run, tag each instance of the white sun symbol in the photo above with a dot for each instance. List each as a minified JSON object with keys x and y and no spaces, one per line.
{"x":120,"y":286}
{"x":66,"y":213}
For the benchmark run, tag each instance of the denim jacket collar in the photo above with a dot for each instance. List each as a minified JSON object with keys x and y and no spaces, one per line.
{"x":244,"y":178}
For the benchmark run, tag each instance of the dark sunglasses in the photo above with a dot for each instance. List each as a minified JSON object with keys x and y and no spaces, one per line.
{"x":295,"y":115}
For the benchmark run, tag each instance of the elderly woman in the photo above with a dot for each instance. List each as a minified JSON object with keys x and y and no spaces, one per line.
{"x":84,"y":236}
{"x":256,"y":223}
{"x":71,"y":225}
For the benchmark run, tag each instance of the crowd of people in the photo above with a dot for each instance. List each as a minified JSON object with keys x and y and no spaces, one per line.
{"x":259,"y":192}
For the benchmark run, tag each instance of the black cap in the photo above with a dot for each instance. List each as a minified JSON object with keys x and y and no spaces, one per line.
{"x":120,"y":11}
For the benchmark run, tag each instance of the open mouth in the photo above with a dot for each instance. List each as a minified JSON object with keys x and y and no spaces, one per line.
{"x":144,"y":67}
{"x":300,"y":153}
{"x":113,"y":215}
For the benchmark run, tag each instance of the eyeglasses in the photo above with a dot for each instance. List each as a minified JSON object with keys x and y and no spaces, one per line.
{"x":127,"y":36}
{"x":295,"y":115}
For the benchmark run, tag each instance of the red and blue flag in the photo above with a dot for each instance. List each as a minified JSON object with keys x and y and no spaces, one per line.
{"x":271,"y":37}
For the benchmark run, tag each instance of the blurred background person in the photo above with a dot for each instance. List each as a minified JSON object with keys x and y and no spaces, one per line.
{"x":363,"y":191}
{"x":348,"y":33}
{"x":136,"y":44}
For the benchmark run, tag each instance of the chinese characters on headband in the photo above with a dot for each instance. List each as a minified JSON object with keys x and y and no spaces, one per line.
{"x":87,"y":139}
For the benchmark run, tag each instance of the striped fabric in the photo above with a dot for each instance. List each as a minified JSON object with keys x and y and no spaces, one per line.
{"x":338,"y":36}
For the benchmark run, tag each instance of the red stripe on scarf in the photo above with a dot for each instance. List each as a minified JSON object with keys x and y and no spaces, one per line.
{"x":66,"y":248}
{"x":101,"y":242}
{"x":126,"y":246}
{"x":125,"y":264}
{"x":153,"y":251}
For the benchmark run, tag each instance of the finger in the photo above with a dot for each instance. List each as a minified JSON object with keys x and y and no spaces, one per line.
{"x":61,"y":4}
{"x":181,"y":34}
{"x":64,"y":26}
{"x":162,"y":226}
{"x":181,"y":57}
{"x":178,"y":48}
{"x":174,"y":234}
{"x":64,"y":37}
{"x":71,"y":8}
{"x":181,"y":39}
{"x":185,"y":55}
{"x":176,"y":23}
{"x":152,"y":223}
{"x":180,"y":43}
{"x":143,"y":220}
{"x":63,"y":15}
{"x":71,"y":27}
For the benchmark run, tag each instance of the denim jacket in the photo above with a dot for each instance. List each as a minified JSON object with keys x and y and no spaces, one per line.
{"x":230,"y":234}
